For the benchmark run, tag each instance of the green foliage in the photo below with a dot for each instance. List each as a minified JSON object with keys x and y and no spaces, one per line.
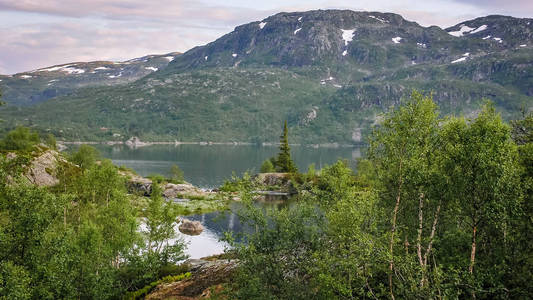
{"x":267,"y":167}
{"x":283,"y":162}
{"x":80,"y":238}
{"x":440,"y":208}
{"x":14,"y":282}
{"x":85,"y":157}
{"x":50,"y":141}
{"x":20,"y":139}
{"x":176,"y":174}
{"x":141,"y":293}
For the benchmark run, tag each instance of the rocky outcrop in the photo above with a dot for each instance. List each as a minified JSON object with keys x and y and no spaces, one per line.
{"x":191,"y":227}
{"x":137,"y":184}
{"x":207,"y":275}
{"x":42,"y":170}
{"x":135,"y":142}
{"x":272,"y":178}
{"x":172,"y":190}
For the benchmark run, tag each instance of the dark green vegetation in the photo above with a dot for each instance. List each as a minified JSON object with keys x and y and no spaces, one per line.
{"x":283,"y":162}
{"x":80,"y":238}
{"x":439,"y":209}
{"x":330,"y":89}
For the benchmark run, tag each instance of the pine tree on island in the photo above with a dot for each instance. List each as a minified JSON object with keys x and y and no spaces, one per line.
{"x":284,"y":162}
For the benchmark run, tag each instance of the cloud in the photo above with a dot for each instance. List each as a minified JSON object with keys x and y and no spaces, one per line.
{"x":35,"y":46}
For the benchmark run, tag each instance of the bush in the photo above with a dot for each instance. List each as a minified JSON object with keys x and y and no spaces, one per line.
{"x":176,"y":174}
{"x":139,"y":294}
{"x":85,"y":157}
{"x":20,"y":139}
{"x":267,"y":167}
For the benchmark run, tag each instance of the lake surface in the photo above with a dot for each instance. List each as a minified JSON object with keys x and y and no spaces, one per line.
{"x":207,"y":167}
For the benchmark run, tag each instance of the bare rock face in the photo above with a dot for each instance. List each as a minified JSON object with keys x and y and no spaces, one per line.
{"x":191,"y":227}
{"x":43,"y":168}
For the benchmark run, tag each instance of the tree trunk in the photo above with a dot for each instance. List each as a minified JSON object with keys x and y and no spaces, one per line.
{"x":473,"y":252}
{"x":420,"y":224}
{"x":393,"y":230}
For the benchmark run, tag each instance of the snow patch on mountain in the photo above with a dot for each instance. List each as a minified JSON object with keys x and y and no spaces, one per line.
{"x":396,"y":40}
{"x":262,"y":25}
{"x":296,"y":31}
{"x":151,"y":68}
{"x":347,"y":35}
{"x":462,"y":30}
{"x":459,"y":60}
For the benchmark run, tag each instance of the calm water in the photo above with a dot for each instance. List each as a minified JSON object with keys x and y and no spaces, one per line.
{"x":208,"y":166}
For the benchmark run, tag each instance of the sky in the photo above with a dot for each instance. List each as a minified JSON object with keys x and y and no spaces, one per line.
{"x":41,"y":33}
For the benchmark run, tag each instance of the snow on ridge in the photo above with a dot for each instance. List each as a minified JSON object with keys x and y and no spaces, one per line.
{"x":463,"y":29}
{"x":423,"y":45}
{"x":262,"y":25}
{"x":499,"y":40}
{"x":71,"y":69}
{"x":234,"y":55}
{"x":397,"y":39}
{"x":480,"y":28}
{"x":466,"y":54}
{"x":206,"y":57}
{"x":459,"y":60}
{"x":25,"y":76}
{"x":486,"y":38}
{"x":344,"y":52}
{"x":101,"y":68}
{"x":151,"y":68}
{"x":379,"y":19}
{"x":169,"y":58}
{"x":115,"y":76}
{"x":523,"y":45}
{"x":296,"y":31}
{"x":347,"y":35}
{"x":300,"y":19}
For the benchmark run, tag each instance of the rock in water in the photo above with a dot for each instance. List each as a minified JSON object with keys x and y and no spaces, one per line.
{"x":191,"y":227}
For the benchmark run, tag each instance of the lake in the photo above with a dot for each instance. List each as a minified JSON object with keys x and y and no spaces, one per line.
{"x":207,"y":166}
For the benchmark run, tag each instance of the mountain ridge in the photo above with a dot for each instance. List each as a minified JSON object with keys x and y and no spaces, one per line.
{"x":329,"y":72}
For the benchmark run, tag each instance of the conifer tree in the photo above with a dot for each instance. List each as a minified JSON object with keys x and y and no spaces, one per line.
{"x":284,"y":162}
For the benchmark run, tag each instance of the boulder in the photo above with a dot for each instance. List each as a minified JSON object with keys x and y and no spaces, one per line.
{"x":191,"y":227}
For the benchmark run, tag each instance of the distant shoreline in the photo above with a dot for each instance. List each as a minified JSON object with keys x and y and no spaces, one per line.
{"x":176,"y":143}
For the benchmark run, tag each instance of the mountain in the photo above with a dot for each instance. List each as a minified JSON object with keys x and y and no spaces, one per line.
{"x":330,"y":73}
{"x":39,"y":85}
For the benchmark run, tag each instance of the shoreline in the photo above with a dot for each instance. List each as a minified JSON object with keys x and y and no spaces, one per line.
{"x":138,"y":144}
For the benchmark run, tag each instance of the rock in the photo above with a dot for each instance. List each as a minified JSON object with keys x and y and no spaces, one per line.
{"x":191,"y":227}
{"x":137,"y":184}
{"x":272,"y":178}
{"x":42,"y":171}
{"x":172,"y":190}
{"x":205,"y":275}
{"x":135,"y":142}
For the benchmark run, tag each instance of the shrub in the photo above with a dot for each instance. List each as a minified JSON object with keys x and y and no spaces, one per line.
{"x":85,"y":157}
{"x":20,"y":139}
{"x":267,"y":167}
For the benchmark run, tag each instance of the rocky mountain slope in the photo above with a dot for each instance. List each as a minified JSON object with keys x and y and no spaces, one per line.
{"x":329,"y":72}
{"x":39,"y":85}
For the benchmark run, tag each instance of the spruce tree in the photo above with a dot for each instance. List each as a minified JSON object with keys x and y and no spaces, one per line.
{"x":284,"y":162}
